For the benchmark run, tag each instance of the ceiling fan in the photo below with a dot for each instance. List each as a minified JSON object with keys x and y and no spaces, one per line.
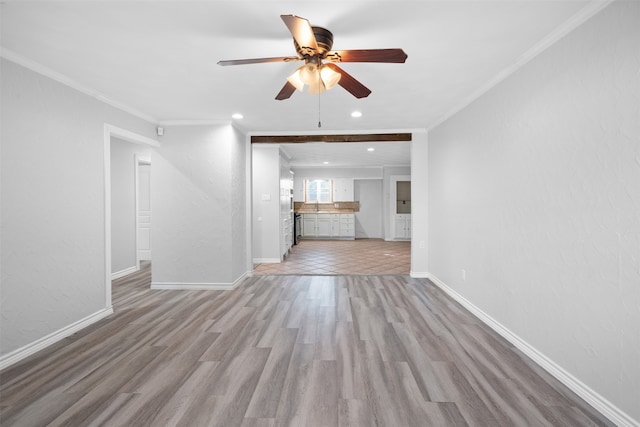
{"x":313,"y":45}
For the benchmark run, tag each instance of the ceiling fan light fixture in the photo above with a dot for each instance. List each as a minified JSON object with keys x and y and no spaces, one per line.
{"x":309,"y":74}
{"x":329,"y":77}
{"x":317,"y":88}
{"x":296,"y":80}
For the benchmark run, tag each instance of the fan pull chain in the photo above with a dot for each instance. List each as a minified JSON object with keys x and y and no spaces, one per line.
{"x":319,"y":122}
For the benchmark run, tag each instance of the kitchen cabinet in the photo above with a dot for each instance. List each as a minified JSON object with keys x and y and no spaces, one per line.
{"x":309,"y":225}
{"x":323,"y":225}
{"x":328,"y":225}
{"x":343,"y":190}
{"x":402,"y":226}
{"x":298,"y":190}
{"x":348,"y":226}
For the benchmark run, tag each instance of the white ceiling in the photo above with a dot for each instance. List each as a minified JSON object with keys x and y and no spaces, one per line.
{"x":158,"y":58}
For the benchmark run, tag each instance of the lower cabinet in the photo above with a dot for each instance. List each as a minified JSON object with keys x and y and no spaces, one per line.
{"x":324,"y":225}
{"x":309,"y":225}
{"x":402,"y":226}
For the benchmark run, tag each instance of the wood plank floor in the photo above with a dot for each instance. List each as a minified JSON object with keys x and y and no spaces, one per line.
{"x":286,"y":350}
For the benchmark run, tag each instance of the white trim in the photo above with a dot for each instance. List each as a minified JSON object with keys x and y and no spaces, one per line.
{"x":125,"y":272}
{"x":130,"y":136}
{"x":419,"y":274}
{"x":67,"y":81}
{"x":39,"y":344}
{"x":267,"y":260}
{"x":194,"y":122}
{"x":136,"y":196}
{"x":393,"y":180}
{"x":187,"y":286}
{"x":109,"y":131}
{"x":565,"y":28}
{"x":598,"y":402}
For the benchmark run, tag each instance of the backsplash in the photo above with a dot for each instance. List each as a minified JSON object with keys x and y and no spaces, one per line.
{"x":346,"y":207}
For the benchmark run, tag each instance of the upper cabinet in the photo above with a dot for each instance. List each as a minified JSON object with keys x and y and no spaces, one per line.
{"x":298,"y":190}
{"x":343,"y":190}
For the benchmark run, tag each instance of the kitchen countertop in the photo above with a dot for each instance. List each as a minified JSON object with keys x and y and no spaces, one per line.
{"x":326,"y":211}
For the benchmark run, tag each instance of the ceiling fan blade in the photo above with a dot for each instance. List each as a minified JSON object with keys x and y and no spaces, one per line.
{"x":302,"y":33}
{"x":286,"y":91}
{"x":367,"y":55}
{"x":259,"y":60}
{"x":348,"y":82}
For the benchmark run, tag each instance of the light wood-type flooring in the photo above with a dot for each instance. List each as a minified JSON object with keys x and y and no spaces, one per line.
{"x":286,"y":350}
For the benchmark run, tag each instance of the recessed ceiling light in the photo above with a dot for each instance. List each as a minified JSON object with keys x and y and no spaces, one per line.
{"x":371,"y":149}
{"x":356,"y":114}
{"x":326,"y":163}
{"x":237,"y":116}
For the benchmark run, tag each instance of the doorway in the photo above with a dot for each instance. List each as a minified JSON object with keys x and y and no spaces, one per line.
{"x":122,"y":152}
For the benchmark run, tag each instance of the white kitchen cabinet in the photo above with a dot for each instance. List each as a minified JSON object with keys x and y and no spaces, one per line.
{"x":298,"y":190}
{"x":335,"y":224}
{"x":347,"y":226}
{"x":323,"y":225}
{"x":402,"y":226}
{"x":343,"y":190}
{"x":327,"y":226}
{"x":309,"y":225}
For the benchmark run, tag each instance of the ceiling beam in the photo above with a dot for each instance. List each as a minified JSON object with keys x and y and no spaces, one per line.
{"x":366,"y":137}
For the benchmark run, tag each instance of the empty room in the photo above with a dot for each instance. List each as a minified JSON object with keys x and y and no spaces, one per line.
{"x":355,"y":213}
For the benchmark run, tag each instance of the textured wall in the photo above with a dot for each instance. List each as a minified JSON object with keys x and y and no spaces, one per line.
{"x":534,"y":190}
{"x":240,"y":203}
{"x":266,"y":213}
{"x":368,"y":192}
{"x":52,"y":201}
{"x":193,"y":200}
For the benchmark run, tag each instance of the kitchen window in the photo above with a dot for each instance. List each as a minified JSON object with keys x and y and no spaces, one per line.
{"x":317,"y":190}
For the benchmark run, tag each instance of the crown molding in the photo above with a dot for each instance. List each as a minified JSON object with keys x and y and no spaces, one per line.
{"x":562,"y":30}
{"x":187,"y":122}
{"x":36,"y":67}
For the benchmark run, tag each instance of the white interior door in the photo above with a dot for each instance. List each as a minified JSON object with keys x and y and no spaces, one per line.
{"x":144,"y":210}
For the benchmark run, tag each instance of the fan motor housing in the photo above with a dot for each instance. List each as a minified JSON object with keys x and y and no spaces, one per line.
{"x":324,"y":39}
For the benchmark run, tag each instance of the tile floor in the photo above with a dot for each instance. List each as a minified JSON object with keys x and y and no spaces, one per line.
{"x":327,"y":257}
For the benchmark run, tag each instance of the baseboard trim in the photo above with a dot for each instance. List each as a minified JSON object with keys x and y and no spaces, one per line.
{"x":602,"y":405}
{"x":125,"y":272}
{"x":267,"y":260}
{"x":419,"y":275}
{"x":37,"y":345}
{"x":192,"y":286}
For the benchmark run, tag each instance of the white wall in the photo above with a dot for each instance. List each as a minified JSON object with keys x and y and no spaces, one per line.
{"x":534,"y":190}
{"x":240,"y":188}
{"x":419,"y":204}
{"x":123,"y":203}
{"x":369,"y":219}
{"x":302,"y":173}
{"x":52,"y":206}
{"x":266,"y":213}
{"x":198,"y":194}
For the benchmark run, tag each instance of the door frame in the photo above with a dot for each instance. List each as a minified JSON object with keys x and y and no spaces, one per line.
{"x":393,"y":191}
{"x":139,"y":160}
{"x":114,"y":131}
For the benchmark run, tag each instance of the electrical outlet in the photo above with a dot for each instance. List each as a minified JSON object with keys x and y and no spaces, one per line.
{"x":464,"y":274}
{"x":422,"y":244}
